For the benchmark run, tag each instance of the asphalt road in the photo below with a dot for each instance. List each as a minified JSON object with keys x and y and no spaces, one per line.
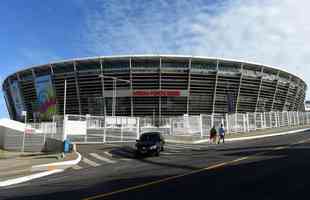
{"x":268,"y":168}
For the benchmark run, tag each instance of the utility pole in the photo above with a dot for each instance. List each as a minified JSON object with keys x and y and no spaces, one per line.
{"x":114,"y":90}
{"x":65,"y":97}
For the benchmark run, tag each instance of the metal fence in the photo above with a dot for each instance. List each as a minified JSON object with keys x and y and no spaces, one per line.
{"x":200,"y":125}
{"x":100,"y":129}
{"x":32,"y":137}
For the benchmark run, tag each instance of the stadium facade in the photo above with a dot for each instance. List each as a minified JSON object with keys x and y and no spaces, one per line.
{"x":151,"y":85}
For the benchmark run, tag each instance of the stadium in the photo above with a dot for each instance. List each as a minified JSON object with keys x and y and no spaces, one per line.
{"x":150,"y":85}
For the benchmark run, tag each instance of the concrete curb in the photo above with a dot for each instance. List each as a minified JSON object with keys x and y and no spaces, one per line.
{"x":48,"y":169}
{"x":241,"y":138}
{"x":57,"y":165}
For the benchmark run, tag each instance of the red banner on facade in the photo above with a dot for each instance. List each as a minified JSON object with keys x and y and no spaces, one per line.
{"x":157,"y":93}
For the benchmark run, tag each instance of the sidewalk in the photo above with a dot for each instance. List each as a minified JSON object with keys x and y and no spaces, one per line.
{"x":238,"y":136}
{"x":16,"y":167}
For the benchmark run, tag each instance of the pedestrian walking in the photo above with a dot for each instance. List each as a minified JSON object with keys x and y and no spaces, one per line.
{"x":213,"y":135}
{"x":221,"y":134}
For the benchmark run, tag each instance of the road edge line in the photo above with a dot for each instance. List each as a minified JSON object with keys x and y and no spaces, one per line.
{"x":28,"y":178}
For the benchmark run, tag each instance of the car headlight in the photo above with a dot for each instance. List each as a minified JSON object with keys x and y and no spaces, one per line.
{"x":153,"y":147}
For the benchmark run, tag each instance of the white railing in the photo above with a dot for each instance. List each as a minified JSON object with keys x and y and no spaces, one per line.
{"x":100,"y":129}
{"x":200,"y":125}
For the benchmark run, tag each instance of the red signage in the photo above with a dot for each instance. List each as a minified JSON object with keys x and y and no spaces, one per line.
{"x":157,"y":93}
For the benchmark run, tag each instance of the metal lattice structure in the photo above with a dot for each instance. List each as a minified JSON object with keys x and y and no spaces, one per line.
{"x":159,"y":86}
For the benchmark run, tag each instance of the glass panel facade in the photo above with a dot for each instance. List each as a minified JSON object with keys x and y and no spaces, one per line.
{"x":88,"y":66}
{"x":174,"y":64}
{"x":145,"y":64}
{"x":116,"y":64}
{"x":211,"y":65}
{"x":229,"y":67}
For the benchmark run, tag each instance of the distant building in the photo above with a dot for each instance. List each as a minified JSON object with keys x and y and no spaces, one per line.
{"x":157,"y":85}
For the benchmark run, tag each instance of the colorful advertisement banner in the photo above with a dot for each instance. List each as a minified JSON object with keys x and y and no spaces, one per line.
{"x":46,"y":97}
{"x":17,"y":99}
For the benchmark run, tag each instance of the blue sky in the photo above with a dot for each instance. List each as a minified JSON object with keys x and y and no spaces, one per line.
{"x":274,"y":32}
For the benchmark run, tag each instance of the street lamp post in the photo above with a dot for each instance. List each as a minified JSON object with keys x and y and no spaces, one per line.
{"x":24,"y":113}
{"x":114,"y":97}
{"x":114,"y":91}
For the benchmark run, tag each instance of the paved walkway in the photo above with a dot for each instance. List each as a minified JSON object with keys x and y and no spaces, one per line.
{"x":265,"y":131}
{"x":261,"y":132}
{"x":16,"y":164}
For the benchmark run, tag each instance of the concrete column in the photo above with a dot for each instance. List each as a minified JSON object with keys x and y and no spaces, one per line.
{"x":260,"y":88}
{"x":188,"y":85}
{"x":238,"y":94}
{"x":77,"y":88}
{"x":215,"y":86}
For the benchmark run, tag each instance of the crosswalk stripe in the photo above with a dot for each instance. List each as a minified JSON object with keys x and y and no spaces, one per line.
{"x":102,"y":158}
{"x":168,"y":153}
{"x":90,"y":162}
{"x":77,"y":167}
{"x":108,"y":153}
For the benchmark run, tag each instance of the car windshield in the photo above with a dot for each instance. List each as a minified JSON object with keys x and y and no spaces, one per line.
{"x":149,"y":137}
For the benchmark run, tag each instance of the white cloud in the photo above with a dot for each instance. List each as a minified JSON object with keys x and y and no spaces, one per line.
{"x":273,"y":32}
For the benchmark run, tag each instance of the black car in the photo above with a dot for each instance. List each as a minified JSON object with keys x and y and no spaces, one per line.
{"x":150,"y":143}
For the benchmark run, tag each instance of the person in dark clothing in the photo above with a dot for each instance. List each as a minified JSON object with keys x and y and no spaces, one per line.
{"x":213,"y":135}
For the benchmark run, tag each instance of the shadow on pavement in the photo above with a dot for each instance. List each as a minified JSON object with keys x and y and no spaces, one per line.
{"x":285,"y":176}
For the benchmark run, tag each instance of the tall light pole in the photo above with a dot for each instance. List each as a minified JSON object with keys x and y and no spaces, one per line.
{"x":65,"y":96}
{"x":103,"y":95}
{"x":64,"y":136}
{"x":24,"y":113}
{"x":114,"y":79}
{"x":114,"y":97}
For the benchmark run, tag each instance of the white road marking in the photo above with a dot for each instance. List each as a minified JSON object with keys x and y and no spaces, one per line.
{"x":77,"y":167}
{"x":280,"y":148}
{"x":168,"y":153}
{"x":102,"y":158}
{"x":28,"y":178}
{"x":108,"y":154}
{"x":90,"y":162}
